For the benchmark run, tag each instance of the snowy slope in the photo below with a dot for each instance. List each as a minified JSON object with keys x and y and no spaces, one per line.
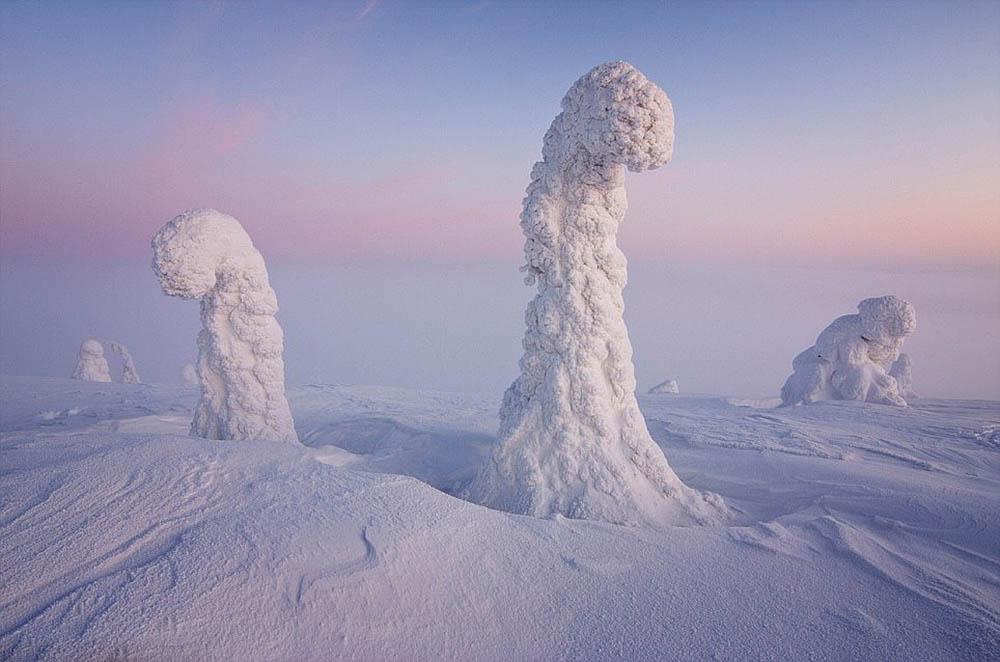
{"x":863,"y":532}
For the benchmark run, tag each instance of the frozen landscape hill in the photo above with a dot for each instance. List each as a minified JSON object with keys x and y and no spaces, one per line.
{"x":861,"y":531}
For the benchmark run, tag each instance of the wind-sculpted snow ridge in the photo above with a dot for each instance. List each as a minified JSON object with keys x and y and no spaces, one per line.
{"x":203,"y":254}
{"x":91,"y":366}
{"x":902,"y":372}
{"x":667,"y":386}
{"x":572,"y":440}
{"x":129,"y":373}
{"x":852,"y":357}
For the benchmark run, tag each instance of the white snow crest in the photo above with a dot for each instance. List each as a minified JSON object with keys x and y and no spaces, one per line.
{"x":667,"y":386}
{"x":91,"y":366}
{"x":203,"y":254}
{"x":852,"y":357}
{"x":572,"y":440}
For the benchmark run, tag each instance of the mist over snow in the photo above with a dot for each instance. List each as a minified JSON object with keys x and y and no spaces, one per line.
{"x":715,"y":329}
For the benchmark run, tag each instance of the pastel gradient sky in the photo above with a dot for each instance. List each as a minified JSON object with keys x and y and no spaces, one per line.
{"x":806,"y":132}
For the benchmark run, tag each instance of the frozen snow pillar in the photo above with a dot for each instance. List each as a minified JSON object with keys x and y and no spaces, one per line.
{"x":852,"y":357}
{"x":572,"y":440}
{"x":129,"y":374}
{"x":91,"y":366}
{"x":902,"y":372}
{"x":203,"y":254}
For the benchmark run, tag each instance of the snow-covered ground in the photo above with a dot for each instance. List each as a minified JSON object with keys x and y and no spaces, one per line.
{"x":863,"y":532}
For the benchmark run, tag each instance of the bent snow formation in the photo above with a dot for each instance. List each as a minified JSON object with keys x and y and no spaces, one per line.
{"x":572,"y":440}
{"x":91,"y":366}
{"x":129,"y":373}
{"x":668,"y":386}
{"x":852,"y":357}
{"x":203,"y":254}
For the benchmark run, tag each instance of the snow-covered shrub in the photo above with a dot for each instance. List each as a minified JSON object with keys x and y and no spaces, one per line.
{"x":902,"y":372}
{"x":852,"y":357}
{"x":189,"y":374}
{"x":572,"y":440}
{"x":129,"y":374}
{"x":668,"y":386}
{"x":91,"y":366}
{"x":203,"y":254}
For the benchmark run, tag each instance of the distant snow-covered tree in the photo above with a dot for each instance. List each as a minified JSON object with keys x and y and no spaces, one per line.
{"x":91,"y":366}
{"x":129,"y":374}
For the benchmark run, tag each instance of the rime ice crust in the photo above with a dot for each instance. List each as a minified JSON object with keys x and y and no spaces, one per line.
{"x":572,"y":440}
{"x":852,"y":357}
{"x":203,"y":254}
{"x":129,"y":374}
{"x":91,"y":366}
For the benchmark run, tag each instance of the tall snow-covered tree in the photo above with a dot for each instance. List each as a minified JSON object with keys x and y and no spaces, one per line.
{"x":572,"y":440}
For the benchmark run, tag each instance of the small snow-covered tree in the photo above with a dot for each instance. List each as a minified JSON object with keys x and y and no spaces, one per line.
{"x":852,"y":357}
{"x":129,"y":374}
{"x":902,"y":372}
{"x":203,"y":254}
{"x":91,"y":366}
{"x":572,"y":440}
{"x":667,"y":386}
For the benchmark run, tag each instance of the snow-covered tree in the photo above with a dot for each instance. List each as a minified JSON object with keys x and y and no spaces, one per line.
{"x":668,"y":386}
{"x":572,"y":440}
{"x":91,"y":366}
{"x":203,"y":254}
{"x":902,"y":372}
{"x":852,"y":357}
{"x":129,"y":374}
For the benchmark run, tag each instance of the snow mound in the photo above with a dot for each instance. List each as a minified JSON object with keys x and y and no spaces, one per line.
{"x":668,"y":386}
{"x":91,"y":366}
{"x":902,"y":372}
{"x":852,"y":357}
{"x":203,"y":254}
{"x":572,"y":440}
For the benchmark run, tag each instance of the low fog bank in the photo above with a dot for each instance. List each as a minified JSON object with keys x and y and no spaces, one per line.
{"x":725,"y":330}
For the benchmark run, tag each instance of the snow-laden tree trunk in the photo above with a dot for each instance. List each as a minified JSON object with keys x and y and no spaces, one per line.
{"x":129,"y":373}
{"x":91,"y":366}
{"x":572,"y":440}
{"x":203,"y":254}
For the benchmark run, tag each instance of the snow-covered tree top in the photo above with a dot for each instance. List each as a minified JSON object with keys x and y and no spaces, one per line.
{"x":192,"y":250}
{"x":618,"y":116}
{"x":91,"y":347}
{"x":887,"y":316}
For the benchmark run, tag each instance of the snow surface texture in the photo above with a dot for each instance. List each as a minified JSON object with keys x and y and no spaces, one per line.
{"x":91,"y":366}
{"x":189,"y":374}
{"x":203,"y":254}
{"x":668,"y":386}
{"x":572,"y":440}
{"x":129,"y":374}
{"x":852,"y":357}
{"x":902,"y":372}
{"x":860,"y":532}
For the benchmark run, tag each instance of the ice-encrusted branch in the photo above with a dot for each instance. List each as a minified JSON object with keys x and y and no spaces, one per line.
{"x":203,"y":254}
{"x":852,"y":357}
{"x":572,"y":440}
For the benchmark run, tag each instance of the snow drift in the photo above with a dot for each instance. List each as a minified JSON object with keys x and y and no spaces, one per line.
{"x":129,"y":373}
{"x":91,"y":366}
{"x":667,"y":386}
{"x":203,"y":254}
{"x":572,"y":440}
{"x":852,"y":357}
